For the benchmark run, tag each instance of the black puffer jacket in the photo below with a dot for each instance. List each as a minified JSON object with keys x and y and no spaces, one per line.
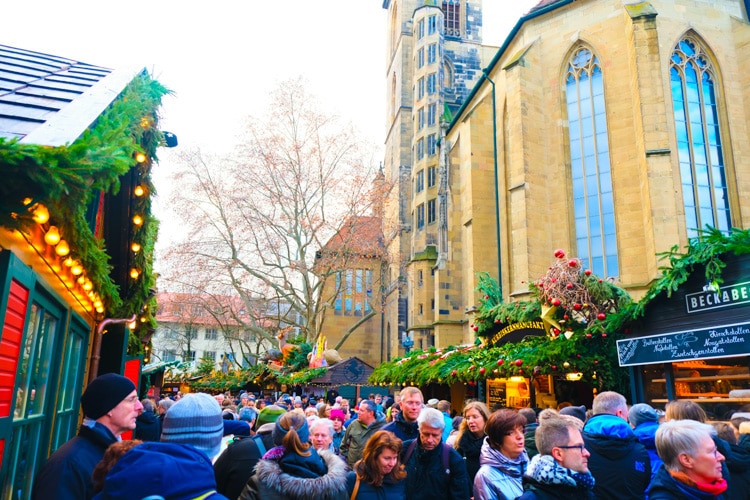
{"x":619,"y":463}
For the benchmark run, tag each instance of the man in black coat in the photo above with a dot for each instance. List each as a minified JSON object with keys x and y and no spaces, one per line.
{"x":110,"y":406}
{"x":434,"y":470}
{"x":619,"y":462}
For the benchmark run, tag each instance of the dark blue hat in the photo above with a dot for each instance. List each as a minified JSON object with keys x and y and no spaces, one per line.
{"x":171,"y":470}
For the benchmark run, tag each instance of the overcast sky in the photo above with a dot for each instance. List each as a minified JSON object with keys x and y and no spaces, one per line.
{"x":222,"y":59}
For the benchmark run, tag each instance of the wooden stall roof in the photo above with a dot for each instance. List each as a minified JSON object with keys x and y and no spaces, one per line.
{"x":351,"y":371}
{"x":51,"y":100}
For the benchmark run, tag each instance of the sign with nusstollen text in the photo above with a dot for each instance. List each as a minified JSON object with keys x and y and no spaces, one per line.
{"x":706,"y":343}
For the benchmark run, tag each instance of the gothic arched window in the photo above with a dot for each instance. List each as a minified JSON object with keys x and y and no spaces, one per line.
{"x":695,"y":105}
{"x":452,"y":17}
{"x":593,"y":202}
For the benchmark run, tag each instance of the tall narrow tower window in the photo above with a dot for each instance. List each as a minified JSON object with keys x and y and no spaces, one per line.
{"x":452,"y":11}
{"x":593,"y":201}
{"x":696,"y":115}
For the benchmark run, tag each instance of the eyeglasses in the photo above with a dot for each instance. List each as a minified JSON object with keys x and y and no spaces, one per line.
{"x":579,"y":447}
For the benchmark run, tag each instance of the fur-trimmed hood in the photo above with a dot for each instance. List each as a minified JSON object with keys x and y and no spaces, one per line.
{"x":328,"y":486}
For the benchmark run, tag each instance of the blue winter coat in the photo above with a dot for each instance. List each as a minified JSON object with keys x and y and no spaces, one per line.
{"x":67,"y":473}
{"x":646,"y":434}
{"x":618,"y":462}
{"x":664,"y":487}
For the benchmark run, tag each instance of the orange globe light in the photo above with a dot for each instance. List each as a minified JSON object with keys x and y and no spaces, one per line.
{"x":52,"y":236}
{"x":62,"y":249}
{"x":41,"y":214}
{"x":140,"y":157}
{"x":134,"y":273}
{"x":138,"y":191}
{"x":137,"y":220}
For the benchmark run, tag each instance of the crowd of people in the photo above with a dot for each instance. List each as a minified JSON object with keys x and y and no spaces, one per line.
{"x":211,"y":447}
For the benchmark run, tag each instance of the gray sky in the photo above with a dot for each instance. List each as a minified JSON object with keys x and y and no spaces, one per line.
{"x":222,"y":59}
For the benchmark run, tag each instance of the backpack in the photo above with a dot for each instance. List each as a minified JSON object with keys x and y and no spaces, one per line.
{"x":446,"y":454}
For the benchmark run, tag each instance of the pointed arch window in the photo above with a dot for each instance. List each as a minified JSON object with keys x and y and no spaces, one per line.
{"x":695,"y":105}
{"x":593,"y":202}
{"x":452,"y":17}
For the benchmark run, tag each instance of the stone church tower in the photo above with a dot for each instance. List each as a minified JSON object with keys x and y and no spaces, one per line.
{"x":434,"y":58}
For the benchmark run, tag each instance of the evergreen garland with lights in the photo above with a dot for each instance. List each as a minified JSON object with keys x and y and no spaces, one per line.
{"x":66,"y":178}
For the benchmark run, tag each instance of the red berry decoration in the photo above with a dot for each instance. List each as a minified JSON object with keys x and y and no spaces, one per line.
{"x":573,"y":263}
{"x":587,"y":272}
{"x":601,"y":316}
{"x":588,"y":335}
{"x":482,"y":370}
{"x":577,"y":307}
{"x":454,"y":373}
{"x":556,"y":302}
{"x":569,"y":286}
{"x":500,"y":362}
{"x":566,"y":316}
{"x":604,"y":335}
{"x":519,"y":362}
{"x":554,"y":367}
{"x":560,"y":253}
{"x":476,"y":328}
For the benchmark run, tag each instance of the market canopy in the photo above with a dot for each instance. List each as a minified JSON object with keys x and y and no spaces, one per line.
{"x":352,"y":371}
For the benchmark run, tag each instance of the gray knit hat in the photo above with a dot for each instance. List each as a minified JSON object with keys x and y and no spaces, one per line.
{"x":196,"y":420}
{"x":641,"y":413}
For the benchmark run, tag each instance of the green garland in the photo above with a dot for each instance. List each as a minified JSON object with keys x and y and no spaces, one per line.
{"x":589,"y":346}
{"x":66,"y":178}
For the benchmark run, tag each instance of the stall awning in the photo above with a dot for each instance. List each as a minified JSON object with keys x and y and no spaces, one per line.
{"x":351,"y":371}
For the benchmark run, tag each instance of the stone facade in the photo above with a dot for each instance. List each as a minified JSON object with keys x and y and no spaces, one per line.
{"x":434,"y":60}
{"x":633,"y":43}
{"x":431,"y":278}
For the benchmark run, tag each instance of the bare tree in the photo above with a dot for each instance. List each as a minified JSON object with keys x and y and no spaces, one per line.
{"x":258,"y":219}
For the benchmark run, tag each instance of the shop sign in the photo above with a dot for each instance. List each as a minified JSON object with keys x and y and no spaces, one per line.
{"x":705,"y":343}
{"x":727,"y":296}
{"x":517,"y":332}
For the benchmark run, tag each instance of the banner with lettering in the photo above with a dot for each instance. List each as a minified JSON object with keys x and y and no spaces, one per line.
{"x":706,"y":343}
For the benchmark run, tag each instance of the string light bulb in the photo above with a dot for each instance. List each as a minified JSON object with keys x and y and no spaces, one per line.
{"x":41,"y":214}
{"x":62,"y":249}
{"x":135,"y":247}
{"x":69,"y":261}
{"x":138,"y":191}
{"x":87,"y":285}
{"x":140,"y":157}
{"x":134,"y":273}
{"x":76,"y":268}
{"x":52,"y":236}
{"x":137,"y":220}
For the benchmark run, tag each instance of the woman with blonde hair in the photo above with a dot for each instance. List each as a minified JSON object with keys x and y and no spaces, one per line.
{"x":380,"y":473}
{"x":294,"y":470}
{"x":470,"y":436}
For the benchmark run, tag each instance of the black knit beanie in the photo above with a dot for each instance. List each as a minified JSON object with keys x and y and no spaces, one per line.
{"x":104,"y":393}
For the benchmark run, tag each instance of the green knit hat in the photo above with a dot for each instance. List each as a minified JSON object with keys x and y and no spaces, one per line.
{"x":269,"y":414}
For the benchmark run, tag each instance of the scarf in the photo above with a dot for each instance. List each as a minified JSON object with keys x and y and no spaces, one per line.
{"x":470,"y":446}
{"x":508,"y":466}
{"x":545,"y":470}
{"x":716,"y":488}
